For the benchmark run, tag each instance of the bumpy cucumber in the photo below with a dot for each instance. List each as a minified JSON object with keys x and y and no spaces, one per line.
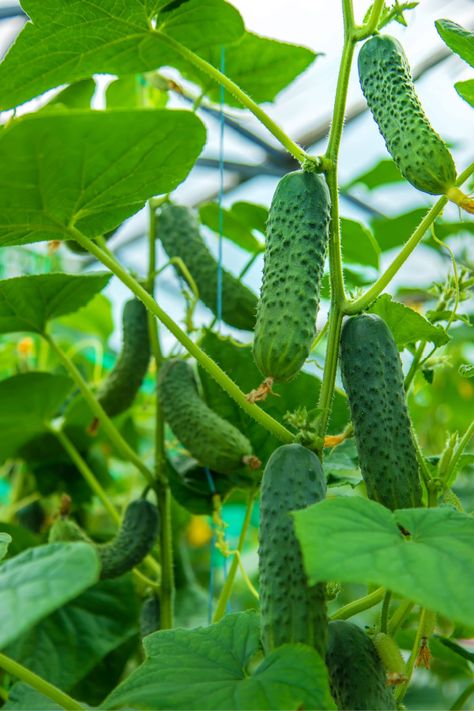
{"x":297,"y":237}
{"x":292,"y":610}
{"x":133,"y":542}
{"x":356,"y":674}
{"x":213,"y":441}
{"x":373,"y":379}
{"x":178,"y":230}
{"x":391,"y":658}
{"x":123,"y":382}
{"x":150,"y":616}
{"x":421,"y":155}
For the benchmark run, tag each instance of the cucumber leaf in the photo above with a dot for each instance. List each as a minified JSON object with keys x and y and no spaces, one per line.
{"x":384,"y":172}
{"x":465,"y":90}
{"x":358,"y":244}
{"x":406,"y":325}
{"x":5,"y":540}
{"x":459,"y":40}
{"x":218,"y":667}
{"x":424,"y":555}
{"x":233,"y":226}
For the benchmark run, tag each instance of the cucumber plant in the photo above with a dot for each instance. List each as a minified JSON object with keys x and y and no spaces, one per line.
{"x":373,"y":445}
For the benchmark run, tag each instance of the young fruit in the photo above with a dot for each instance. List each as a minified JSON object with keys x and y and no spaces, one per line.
{"x":421,"y":155}
{"x":291,"y":609}
{"x":391,"y":658}
{"x":356,"y":673}
{"x":213,"y":441}
{"x":178,"y":230}
{"x":297,"y":237}
{"x":123,"y":382}
{"x":373,"y":379}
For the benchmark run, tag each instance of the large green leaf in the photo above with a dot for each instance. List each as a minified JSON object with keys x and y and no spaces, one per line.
{"x":358,"y":244}
{"x":38,"y":581}
{"x":382,"y":173}
{"x":260,"y":66}
{"x":27,"y":403}
{"x":89,"y":169}
{"x":236,"y":359}
{"x":27,"y":303}
{"x":353,"y":540}
{"x":63,"y":647}
{"x":93,"y":319}
{"x":391,"y":232}
{"x":406,"y":325}
{"x":5,"y":540}
{"x":465,"y":89}
{"x":68,"y":41}
{"x":209,"y":668}
{"x":23,"y":697}
{"x":458,"y":39}
{"x":233,"y":226}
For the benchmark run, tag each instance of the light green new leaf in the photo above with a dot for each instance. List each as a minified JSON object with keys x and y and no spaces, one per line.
{"x":27,"y":303}
{"x":354,"y":540}
{"x":384,"y":172}
{"x":458,"y":39}
{"x":232,"y":226}
{"x":260,"y":66}
{"x":27,"y":403}
{"x":5,"y":541}
{"x":40,"y":580}
{"x":208,"y":668}
{"x":89,"y":169}
{"x":358,"y":244}
{"x":63,"y":647}
{"x":69,"y":41}
{"x":465,"y":90}
{"x":406,"y":325}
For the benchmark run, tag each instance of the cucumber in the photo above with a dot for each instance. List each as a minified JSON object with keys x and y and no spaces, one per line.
{"x":210,"y":439}
{"x":373,"y":379}
{"x":419,"y":152}
{"x":178,"y":230}
{"x":297,"y":238}
{"x":391,"y":658}
{"x":150,"y":616}
{"x":123,"y":382}
{"x":356,"y":673}
{"x":291,"y":610}
{"x":134,"y":540}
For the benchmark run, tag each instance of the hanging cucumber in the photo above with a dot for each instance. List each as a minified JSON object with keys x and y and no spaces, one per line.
{"x":213,"y":441}
{"x":356,"y":673}
{"x":421,"y":155}
{"x":373,"y":379}
{"x":134,"y":540}
{"x":391,"y":658}
{"x":291,"y":610}
{"x":297,"y":238}
{"x":123,"y":382}
{"x":179,"y":232}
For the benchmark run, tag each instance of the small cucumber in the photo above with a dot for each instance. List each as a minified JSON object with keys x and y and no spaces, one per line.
{"x":421,"y":155}
{"x":213,"y":441}
{"x":373,"y":379}
{"x":292,"y":610}
{"x":391,"y":658}
{"x":123,"y":382}
{"x":356,"y":673}
{"x":297,"y":238}
{"x":179,"y":231}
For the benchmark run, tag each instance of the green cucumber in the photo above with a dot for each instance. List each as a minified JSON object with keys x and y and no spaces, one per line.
{"x":297,"y":238}
{"x":179,"y":231}
{"x":123,"y":382}
{"x":391,"y":658}
{"x":356,"y":673}
{"x":291,"y":610}
{"x":373,"y":379}
{"x":419,"y":152}
{"x":210,"y":439}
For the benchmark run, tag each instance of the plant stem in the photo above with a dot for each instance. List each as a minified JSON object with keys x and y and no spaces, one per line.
{"x":227,"y":587}
{"x":363,"y":603}
{"x":296,"y":151}
{"x":226,"y":383}
{"x":360,"y":33}
{"x":385,"y":611}
{"x":401,"y":691}
{"x":414,"y":365}
{"x":463,"y":697}
{"x":41,"y":685}
{"x":399,"y":616}
{"x":463,"y":442}
{"x":335,"y":258}
{"x":113,"y":434}
{"x":162,"y":487}
{"x":364,"y":301}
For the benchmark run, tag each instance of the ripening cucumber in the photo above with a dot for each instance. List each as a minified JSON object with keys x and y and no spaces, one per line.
{"x":356,"y":673}
{"x":179,"y":232}
{"x":297,"y":238}
{"x":291,"y":609}
{"x":373,"y":379}
{"x":122,"y":384}
{"x":134,"y":540}
{"x":210,"y":439}
{"x":419,"y":152}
